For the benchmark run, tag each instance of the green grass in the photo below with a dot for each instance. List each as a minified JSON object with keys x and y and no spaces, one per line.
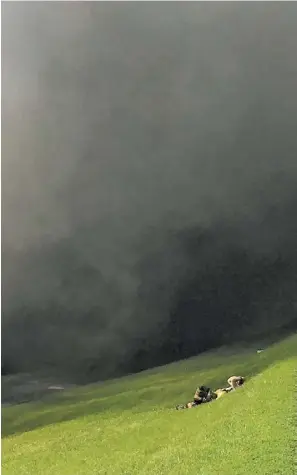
{"x":129,"y":426}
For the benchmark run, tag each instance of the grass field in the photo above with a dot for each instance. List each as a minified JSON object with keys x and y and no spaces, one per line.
{"x":130,"y":425}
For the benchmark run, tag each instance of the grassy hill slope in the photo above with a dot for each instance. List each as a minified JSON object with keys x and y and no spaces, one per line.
{"x":130,"y":425}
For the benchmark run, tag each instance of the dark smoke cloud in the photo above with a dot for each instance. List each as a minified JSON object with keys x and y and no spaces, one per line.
{"x":141,"y":144}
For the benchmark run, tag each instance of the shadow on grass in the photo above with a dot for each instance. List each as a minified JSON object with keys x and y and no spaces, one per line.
{"x":147,"y":392}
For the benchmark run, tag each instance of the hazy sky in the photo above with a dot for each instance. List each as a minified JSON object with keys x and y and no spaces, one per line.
{"x":124,"y":123}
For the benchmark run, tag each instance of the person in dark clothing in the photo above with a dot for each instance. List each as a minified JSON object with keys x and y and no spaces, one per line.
{"x":202,"y":395}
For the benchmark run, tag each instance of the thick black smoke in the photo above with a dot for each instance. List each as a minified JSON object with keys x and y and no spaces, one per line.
{"x":149,"y":171}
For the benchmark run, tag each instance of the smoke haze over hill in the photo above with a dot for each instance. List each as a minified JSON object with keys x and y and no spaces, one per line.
{"x":149,"y":179}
